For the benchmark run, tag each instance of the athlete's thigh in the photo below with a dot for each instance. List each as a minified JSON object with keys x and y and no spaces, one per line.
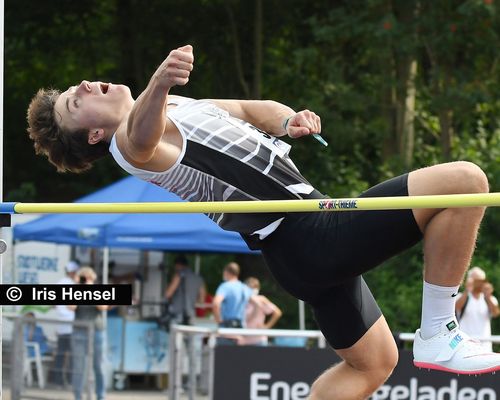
{"x":353,"y":324}
{"x":365,"y":239}
{"x":346,"y":312}
{"x":375,"y":349}
{"x":322,"y":250}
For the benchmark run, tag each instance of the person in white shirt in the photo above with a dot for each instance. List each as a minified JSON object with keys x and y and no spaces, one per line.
{"x":477,"y":306}
{"x":62,"y":362}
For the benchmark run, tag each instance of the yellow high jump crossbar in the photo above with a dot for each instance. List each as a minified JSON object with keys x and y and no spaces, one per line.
{"x":341,"y":204}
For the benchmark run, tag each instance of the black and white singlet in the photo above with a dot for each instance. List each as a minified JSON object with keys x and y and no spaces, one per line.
{"x":226,"y":159}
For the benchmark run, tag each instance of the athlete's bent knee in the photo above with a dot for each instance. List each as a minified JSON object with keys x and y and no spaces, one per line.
{"x":368,"y":378}
{"x":381,"y":375}
{"x":383,"y":370}
{"x":473,"y":176}
{"x":384,"y":360}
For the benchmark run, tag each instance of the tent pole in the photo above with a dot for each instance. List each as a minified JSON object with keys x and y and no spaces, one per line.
{"x":197,"y":263}
{"x":105,"y":279}
{"x":105,"y":265}
{"x":302,"y":316}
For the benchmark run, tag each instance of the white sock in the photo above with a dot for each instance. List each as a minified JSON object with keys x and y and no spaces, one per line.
{"x":438,"y":306}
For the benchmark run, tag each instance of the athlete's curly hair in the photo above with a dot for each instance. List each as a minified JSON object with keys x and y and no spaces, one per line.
{"x":67,"y":150}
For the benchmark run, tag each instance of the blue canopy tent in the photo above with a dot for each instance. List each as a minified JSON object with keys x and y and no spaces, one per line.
{"x":170,"y":232}
{"x":174,"y":232}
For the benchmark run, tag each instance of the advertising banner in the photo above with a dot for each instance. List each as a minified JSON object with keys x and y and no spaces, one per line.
{"x":280,"y":373}
{"x":145,"y":348}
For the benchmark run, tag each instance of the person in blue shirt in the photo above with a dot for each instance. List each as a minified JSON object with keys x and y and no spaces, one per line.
{"x":34,"y":334}
{"x":231,"y":300}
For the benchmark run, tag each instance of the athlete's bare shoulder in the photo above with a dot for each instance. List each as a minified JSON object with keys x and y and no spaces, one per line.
{"x":166,"y":153}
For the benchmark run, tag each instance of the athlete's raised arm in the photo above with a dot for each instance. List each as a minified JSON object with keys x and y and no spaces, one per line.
{"x":275,"y":118}
{"x":147,"y":120}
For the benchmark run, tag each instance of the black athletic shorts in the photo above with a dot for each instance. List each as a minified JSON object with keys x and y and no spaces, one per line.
{"x":319,"y":258}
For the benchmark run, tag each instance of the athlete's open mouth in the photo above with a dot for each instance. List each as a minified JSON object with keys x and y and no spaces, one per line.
{"x":104,"y":88}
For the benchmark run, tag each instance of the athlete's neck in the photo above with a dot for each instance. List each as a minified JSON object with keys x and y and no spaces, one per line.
{"x":122,"y":126}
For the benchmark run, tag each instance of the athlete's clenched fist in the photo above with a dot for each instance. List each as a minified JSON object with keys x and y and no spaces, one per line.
{"x":175,"y":70}
{"x":303,"y":123}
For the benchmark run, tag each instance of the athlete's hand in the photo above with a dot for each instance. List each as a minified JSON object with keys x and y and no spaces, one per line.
{"x":176,"y":68}
{"x":303,"y":123}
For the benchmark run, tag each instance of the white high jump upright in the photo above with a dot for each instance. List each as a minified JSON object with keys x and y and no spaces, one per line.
{"x":2,"y":18}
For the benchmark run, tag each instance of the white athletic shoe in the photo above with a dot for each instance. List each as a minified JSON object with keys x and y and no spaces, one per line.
{"x":452,"y":350}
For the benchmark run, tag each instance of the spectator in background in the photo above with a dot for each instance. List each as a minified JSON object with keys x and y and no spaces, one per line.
{"x":62,"y":362}
{"x":185,"y":289}
{"x":477,"y":306}
{"x":34,"y":334}
{"x":230,"y":302}
{"x":257,"y":312}
{"x":80,"y":340}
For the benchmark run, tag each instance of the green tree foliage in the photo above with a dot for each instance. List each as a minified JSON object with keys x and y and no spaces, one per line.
{"x":398,"y":84}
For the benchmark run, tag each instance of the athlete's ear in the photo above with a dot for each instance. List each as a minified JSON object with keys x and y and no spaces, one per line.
{"x":95,"y":135}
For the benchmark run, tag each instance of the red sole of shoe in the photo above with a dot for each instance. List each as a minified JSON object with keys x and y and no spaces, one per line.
{"x":454,"y":371}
